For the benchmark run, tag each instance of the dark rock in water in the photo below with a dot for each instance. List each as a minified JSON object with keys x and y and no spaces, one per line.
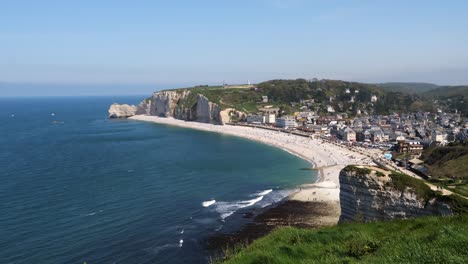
{"x":248,"y":215}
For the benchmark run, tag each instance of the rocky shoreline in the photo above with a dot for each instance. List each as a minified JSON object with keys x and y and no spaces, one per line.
{"x":313,"y":214}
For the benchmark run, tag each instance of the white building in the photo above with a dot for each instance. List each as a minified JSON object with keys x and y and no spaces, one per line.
{"x":438,"y":136}
{"x":255,"y":119}
{"x":373,"y":99}
{"x":349,"y":134}
{"x":270,"y":118}
{"x":264,"y":99}
{"x":286,"y":122}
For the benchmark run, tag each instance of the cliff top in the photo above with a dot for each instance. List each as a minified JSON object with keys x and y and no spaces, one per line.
{"x":342,"y":96}
{"x":406,"y":183}
{"x":420,"y":240}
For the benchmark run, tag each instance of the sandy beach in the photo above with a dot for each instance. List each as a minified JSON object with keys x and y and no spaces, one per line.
{"x":328,"y":158}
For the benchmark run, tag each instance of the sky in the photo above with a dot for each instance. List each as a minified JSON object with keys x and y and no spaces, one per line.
{"x":91,"y":47}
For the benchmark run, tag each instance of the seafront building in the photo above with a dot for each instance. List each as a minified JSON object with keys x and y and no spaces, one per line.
{"x":255,"y":119}
{"x":409,"y":133}
{"x":286,"y":122}
{"x":270,"y":118}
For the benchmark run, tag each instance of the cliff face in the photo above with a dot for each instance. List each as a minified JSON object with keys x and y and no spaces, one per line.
{"x":122,"y":111}
{"x":164,"y":103}
{"x":179,"y":104}
{"x":369,"y":197}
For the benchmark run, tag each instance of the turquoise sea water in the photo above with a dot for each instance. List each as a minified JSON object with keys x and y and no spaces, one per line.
{"x":78,"y":187}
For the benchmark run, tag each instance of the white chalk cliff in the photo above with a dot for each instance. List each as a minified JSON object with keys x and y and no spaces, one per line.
{"x":369,"y":197}
{"x":179,"y":104}
{"x":121,"y":111}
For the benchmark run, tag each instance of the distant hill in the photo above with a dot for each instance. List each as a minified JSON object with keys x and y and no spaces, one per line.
{"x":408,"y":87}
{"x":325,"y":97}
{"x":448,"y":91}
{"x":449,"y":98}
{"x":330,"y":97}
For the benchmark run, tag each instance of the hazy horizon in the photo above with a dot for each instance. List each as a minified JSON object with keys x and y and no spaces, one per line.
{"x":116,"y":44}
{"x":109,"y":89}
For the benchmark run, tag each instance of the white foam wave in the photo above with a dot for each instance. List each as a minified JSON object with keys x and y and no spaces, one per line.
{"x":208,"y":203}
{"x":181,"y":242}
{"x":265,"y":192}
{"x":252,"y":202}
{"x":226,"y":208}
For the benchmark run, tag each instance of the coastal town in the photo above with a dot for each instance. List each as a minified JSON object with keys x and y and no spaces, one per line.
{"x":401,"y":138}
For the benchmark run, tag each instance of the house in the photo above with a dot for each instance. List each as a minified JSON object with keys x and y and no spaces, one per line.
{"x":413,"y":147}
{"x":349,"y":134}
{"x":364,"y":135}
{"x":437,"y":136}
{"x":378,"y":135}
{"x":286,"y":122}
{"x":255,"y":119}
{"x":325,"y":120}
{"x":304,"y":116}
{"x":270,"y":118}
{"x":264,"y":99}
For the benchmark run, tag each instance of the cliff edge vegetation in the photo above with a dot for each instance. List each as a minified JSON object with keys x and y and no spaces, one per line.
{"x":374,"y":194}
{"x":284,"y":97}
{"x":421,"y":240}
{"x":448,"y":166}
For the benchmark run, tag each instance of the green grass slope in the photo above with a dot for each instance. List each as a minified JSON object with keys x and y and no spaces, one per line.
{"x":447,"y":161}
{"x":448,"y":166}
{"x":448,"y":91}
{"x":421,"y":240}
{"x":408,"y":87}
{"x":282,"y":92}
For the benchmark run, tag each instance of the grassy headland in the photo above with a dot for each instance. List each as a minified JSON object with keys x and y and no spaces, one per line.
{"x":448,"y":166}
{"x":422,"y":240}
{"x":319,"y":95}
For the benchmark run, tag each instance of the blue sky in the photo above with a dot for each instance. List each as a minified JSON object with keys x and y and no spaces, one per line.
{"x":145,"y":44}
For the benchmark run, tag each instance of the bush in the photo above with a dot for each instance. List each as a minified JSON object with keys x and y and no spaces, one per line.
{"x":404,"y":182}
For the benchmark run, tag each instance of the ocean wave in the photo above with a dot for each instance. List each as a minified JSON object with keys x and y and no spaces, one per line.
{"x":208,"y":203}
{"x":265,"y":192}
{"x":158,"y":249}
{"x":228,"y":208}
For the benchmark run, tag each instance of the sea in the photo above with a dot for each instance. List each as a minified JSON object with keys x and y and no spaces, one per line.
{"x":77,"y":187}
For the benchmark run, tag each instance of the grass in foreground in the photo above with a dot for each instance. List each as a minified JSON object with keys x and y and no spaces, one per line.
{"x":421,"y":240}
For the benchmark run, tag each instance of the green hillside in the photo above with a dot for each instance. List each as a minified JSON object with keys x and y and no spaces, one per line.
{"x":448,"y":166}
{"x":449,"y":98}
{"x":421,"y":240}
{"x":408,"y":87}
{"x":448,"y":91}
{"x":344,"y":97}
